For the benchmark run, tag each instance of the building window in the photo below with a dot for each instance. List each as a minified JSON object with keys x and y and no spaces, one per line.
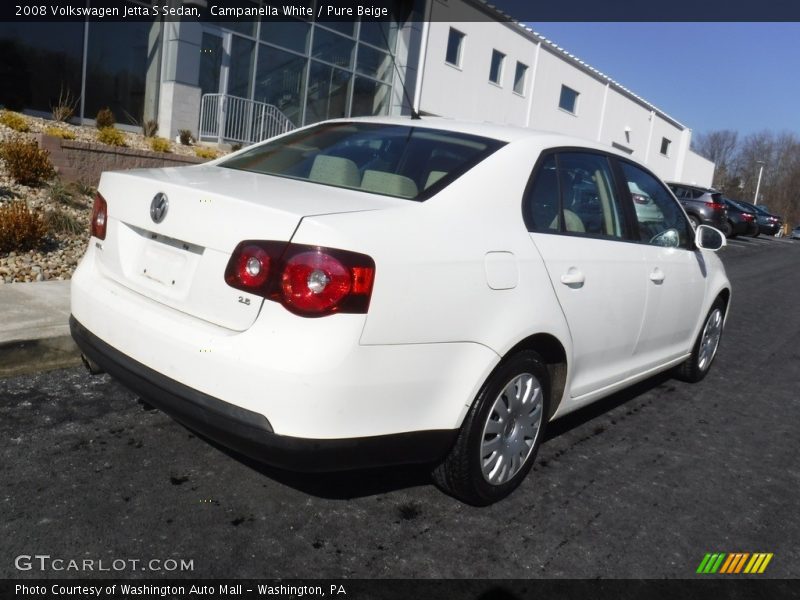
{"x":665,"y":146}
{"x":519,"y":78}
{"x":568,"y":100}
{"x":496,"y":69}
{"x":455,"y":44}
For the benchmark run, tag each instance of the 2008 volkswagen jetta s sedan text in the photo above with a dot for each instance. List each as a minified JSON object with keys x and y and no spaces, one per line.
{"x":378,"y":291}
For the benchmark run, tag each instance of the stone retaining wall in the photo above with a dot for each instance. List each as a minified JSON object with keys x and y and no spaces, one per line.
{"x":84,"y":161}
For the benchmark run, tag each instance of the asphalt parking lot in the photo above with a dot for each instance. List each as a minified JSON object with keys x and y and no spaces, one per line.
{"x":640,"y":485}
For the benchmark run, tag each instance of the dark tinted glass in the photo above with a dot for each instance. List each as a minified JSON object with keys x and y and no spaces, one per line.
{"x":122,"y":68}
{"x":327,"y":92}
{"x":454,"y":47}
{"x":280,"y":78}
{"x":568,"y":99}
{"x":37,"y":62}
{"x":370,"y":98}
{"x":240,"y":75}
{"x":333,"y":48}
{"x":288,"y":34}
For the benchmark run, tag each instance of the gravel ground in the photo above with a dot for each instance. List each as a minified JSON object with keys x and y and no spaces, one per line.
{"x":63,"y":249}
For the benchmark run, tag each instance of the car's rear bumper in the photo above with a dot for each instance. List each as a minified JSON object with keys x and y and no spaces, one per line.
{"x":249,"y":432}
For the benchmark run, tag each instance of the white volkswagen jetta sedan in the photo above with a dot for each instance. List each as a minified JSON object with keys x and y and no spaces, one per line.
{"x":378,"y":291}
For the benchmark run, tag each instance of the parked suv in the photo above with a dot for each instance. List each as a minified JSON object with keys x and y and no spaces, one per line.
{"x":703,"y":205}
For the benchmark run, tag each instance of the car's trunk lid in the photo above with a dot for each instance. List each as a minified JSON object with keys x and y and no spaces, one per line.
{"x":180,"y":261}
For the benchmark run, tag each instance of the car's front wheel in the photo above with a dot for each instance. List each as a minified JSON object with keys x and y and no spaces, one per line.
{"x":500,"y":436}
{"x":696,"y":367}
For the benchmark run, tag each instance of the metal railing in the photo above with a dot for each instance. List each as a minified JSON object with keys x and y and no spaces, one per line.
{"x":233,"y":119}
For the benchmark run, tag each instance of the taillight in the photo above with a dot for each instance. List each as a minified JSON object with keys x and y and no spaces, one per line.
{"x":308,"y":280}
{"x":748,"y":216}
{"x":715,"y":205}
{"x":99,"y":217}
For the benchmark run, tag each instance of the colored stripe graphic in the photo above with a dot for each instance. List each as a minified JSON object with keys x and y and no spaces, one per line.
{"x":734,"y":562}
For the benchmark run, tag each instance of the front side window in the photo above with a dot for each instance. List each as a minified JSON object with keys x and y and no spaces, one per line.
{"x":660,"y":219}
{"x":393,"y":160}
{"x":574,"y":192}
{"x":568,"y":100}
{"x":496,"y":68}
{"x":455,"y":43}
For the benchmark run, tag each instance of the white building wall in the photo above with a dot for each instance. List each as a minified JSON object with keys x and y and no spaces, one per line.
{"x":627,"y":125}
{"x":551,"y":73}
{"x":697,"y":170}
{"x":464,"y":91}
{"x":605,"y":112}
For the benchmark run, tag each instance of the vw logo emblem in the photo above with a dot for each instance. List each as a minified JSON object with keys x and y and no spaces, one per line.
{"x":158,"y":207}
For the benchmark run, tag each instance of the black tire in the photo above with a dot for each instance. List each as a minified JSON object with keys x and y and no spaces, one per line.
{"x":755,"y":232}
{"x":694,"y":221}
{"x":696,"y":367}
{"x":728,"y":230}
{"x":461,"y":474}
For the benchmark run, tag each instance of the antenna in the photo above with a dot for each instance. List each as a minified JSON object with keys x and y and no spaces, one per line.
{"x":414,"y":113}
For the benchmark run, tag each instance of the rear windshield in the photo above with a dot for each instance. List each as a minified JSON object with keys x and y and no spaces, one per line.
{"x":393,"y":160}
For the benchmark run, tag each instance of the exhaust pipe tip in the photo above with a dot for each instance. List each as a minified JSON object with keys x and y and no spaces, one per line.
{"x":91,"y":366}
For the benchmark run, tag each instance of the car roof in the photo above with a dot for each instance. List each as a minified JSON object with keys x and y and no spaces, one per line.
{"x":505,"y":133}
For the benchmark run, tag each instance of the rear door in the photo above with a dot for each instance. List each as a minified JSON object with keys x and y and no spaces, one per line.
{"x":576,"y":221}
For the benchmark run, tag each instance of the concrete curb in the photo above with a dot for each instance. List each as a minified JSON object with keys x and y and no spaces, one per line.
{"x":34,"y":328}
{"x":43,"y":354}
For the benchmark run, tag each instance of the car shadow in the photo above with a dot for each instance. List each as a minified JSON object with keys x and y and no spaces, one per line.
{"x":360,"y":483}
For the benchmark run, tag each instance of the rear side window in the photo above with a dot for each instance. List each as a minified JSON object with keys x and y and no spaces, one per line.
{"x":574,"y":192}
{"x":393,"y":160}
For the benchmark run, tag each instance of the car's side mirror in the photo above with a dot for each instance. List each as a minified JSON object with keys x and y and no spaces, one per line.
{"x":709,"y":238}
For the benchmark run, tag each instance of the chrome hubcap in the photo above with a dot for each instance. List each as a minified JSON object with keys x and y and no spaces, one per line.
{"x":511,"y":429}
{"x":710,"y":339}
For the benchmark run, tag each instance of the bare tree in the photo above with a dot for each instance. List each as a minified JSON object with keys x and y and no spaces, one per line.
{"x":739,"y":160}
{"x":720,"y":148}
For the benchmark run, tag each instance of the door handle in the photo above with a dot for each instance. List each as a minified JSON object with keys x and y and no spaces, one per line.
{"x":657,"y":276}
{"x":573,"y":277}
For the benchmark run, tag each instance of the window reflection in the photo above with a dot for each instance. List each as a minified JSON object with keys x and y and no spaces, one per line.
{"x":327,"y":93}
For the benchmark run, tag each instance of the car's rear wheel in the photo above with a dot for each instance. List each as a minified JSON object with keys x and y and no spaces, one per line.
{"x":755,"y":232}
{"x":728,"y":230}
{"x":696,"y":367}
{"x":501,"y":434}
{"x":694,"y":221}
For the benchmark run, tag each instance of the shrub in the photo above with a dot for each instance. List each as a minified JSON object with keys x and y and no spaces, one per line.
{"x":236,"y":147}
{"x":111,"y":136}
{"x":85,"y":189}
{"x":64,"y":134}
{"x":57,"y":220}
{"x":20,"y":228}
{"x":105,"y":118}
{"x":150,"y":128}
{"x":26,"y":162}
{"x":65,"y":195}
{"x":14,"y":120}
{"x":186,"y":137}
{"x":203,"y":152}
{"x":65,"y":107}
{"x":160,"y":145}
